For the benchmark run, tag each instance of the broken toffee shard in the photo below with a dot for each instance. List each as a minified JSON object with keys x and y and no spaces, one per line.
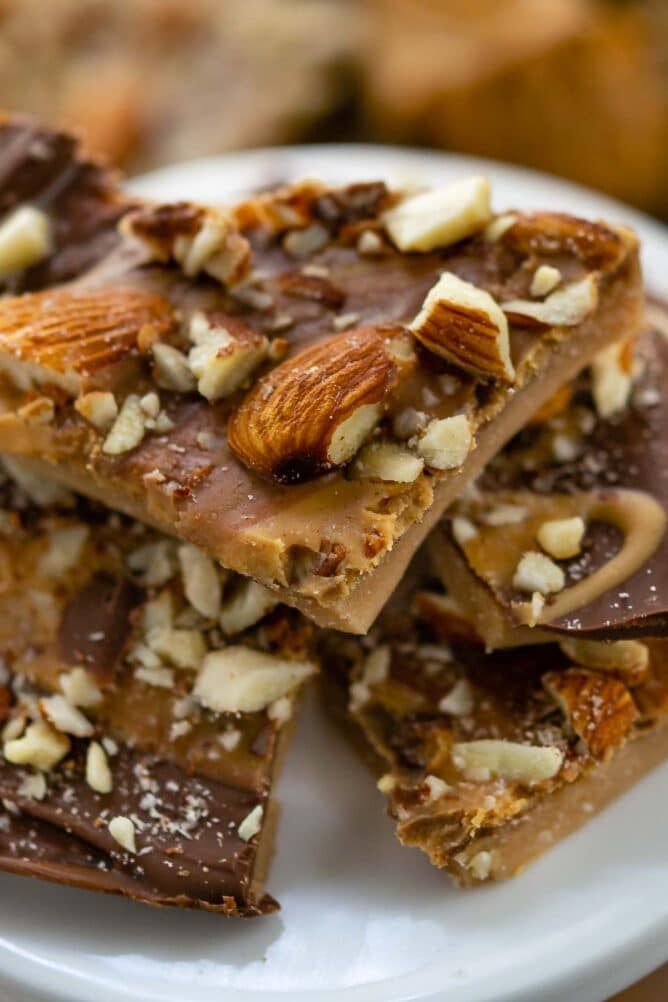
{"x":303,"y":383}
{"x":144,"y":709}
{"x":565,"y":533}
{"x":489,"y":759}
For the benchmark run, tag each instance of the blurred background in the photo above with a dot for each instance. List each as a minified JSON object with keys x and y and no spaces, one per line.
{"x":575,"y":87}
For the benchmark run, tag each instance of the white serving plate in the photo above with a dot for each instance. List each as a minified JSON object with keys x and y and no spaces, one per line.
{"x":362,"y":918}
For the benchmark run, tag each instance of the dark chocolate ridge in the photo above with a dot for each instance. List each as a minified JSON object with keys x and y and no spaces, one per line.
{"x":196,"y":857}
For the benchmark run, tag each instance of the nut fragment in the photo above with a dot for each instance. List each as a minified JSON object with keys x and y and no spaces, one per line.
{"x":249,"y":603}
{"x":612,"y":378}
{"x":562,"y":537}
{"x":223,"y":355}
{"x":64,"y":551}
{"x":387,"y":461}
{"x":153,"y":563}
{"x":545,"y":279}
{"x":446,"y":442}
{"x":626,"y":658}
{"x":171,"y":368}
{"x":440,"y":217}
{"x":313,"y":412}
{"x":40,"y":746}
{"x":599,"y":708}
{"x":122,"y":830}
{"x":463,"y":324}
{"x":566,"y":307}
{"x":201,"y":580}
{"x":251,"y":824}
{"x":128,"y":429}
{"x":537,"y":573}
{"x":98,"y":773}
{"x":33,"y":787}
{"x":463,"y":530}
{"x":240,"y":680}
{"x":181,"y":648}
{"x":98,"y":407}
{"x":459,"y":701}
{"x":64,"y":717}
{"x":79,"y":688}
{"x":489,"y":757}
{"x":25,"y":238}
{"x":198,"y":239}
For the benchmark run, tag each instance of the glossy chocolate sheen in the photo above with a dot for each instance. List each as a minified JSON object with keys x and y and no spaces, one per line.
{"x":627,"y":451}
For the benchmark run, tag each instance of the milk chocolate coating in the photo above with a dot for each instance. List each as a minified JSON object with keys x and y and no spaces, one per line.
{"x":194,"y":856}
{"x":627,"y":451}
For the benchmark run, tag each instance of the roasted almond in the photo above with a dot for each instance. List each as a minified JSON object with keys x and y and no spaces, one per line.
{"x":314,"y":411}
{"x":463,"y":324}
{"x":548,"y":233}
{"x":599,"y":708}
{"x":568,"y":306}
{"x":439,"y":217}
{"x":75,"y":337}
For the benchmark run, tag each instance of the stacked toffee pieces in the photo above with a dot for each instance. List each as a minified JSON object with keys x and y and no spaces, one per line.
{"x":226,"y":434}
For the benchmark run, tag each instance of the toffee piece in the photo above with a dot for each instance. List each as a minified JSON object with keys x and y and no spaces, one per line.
{"x":488,"y":759}
{"x":301,"y":384}
{"x":144,"y":711}
{"x":580,"y":497}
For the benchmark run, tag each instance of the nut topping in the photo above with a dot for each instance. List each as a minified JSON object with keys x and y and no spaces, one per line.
{"x":562,"y":537}
{"x":198,"y":239}
{"x":446,"y":442}
{"x":566,"y":307}
{"x":241,"y":680}
{"x":312,"y":413}
{"x":40,"y":746}
{"x":599,"y":708}
{"x":627,"y":658}
{"x":537,"y":573}
{"x":487,"y":758}
{"x":440,"y":217}
{"x":464,"y":325}
{"x":611,"y":377}
{"x":24,"y":239}
{"x":223,"y":354}
{"x":387,"y":461}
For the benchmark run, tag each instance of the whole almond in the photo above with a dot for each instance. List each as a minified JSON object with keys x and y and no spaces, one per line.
{"x":313,"y":412}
